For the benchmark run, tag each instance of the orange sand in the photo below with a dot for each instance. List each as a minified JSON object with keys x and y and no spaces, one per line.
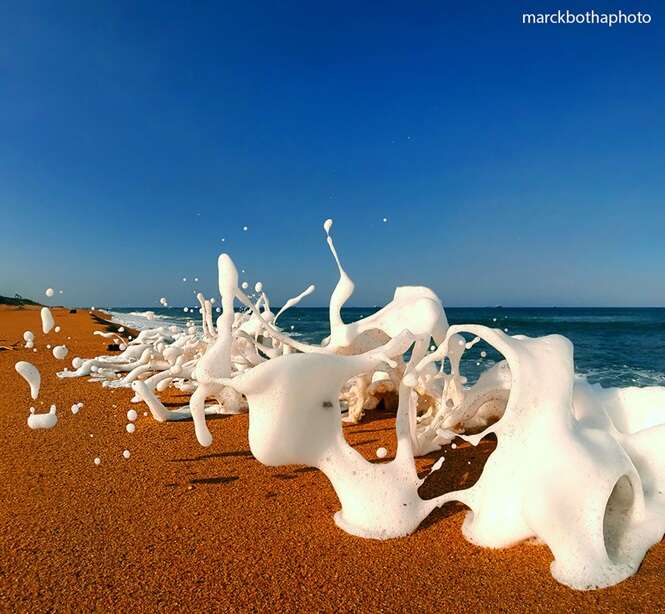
{"x":181,"y":528}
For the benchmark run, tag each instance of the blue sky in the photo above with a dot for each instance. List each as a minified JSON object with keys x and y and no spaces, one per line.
{"x":517,"y":165}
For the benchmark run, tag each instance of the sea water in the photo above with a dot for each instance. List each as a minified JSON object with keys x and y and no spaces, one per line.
{"x":613,"y":346}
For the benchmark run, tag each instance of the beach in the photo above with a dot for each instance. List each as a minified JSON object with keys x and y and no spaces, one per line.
{"x":181,"y":527}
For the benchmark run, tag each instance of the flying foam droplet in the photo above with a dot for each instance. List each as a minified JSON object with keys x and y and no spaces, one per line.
{"x":126,"y":454}
{"x":244,"y":285}
{"x":385,"y":220}
{"x":49,"y":292}
{"x":245,"y":228}
{"x":381,"y":452}
{"x":131,"y":427}
{"x":30,"y":374}
{"x":258,"y":287}
{"x":437,"y":465}
{"x":47,"y":320}
{"x":132,"y":415}
{"x":98,"y":461}
{"x":327,"y":225}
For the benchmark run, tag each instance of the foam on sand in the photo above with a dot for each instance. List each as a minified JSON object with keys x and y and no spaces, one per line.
{"x":30,"y":374}
{"x":562,"y":471}
{"x":60,"y":351}
{"x":47,"y":320}
{"x":576,"y":466}
{"x":42,"y":421}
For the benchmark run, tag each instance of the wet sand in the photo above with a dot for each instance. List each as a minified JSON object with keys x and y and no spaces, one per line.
{"x":181,"y":528}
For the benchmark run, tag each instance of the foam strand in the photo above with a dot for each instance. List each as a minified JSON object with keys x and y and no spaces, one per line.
{"x":292,"y":302}
{"x":216,"y":362}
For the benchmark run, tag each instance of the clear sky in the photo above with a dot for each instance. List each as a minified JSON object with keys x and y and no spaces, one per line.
{"x":517,"y":165}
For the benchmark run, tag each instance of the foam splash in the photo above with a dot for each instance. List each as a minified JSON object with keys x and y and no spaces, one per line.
{"x":578,"y":467}
{"x":563,"y":470}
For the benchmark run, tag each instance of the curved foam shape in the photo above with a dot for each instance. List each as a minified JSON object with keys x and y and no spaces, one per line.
{"x":294,"y":417}
{"x":30,"y":374}
{"x":571,"y":483}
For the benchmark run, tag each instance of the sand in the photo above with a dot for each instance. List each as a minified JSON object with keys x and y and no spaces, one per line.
{"x":180,"y":527}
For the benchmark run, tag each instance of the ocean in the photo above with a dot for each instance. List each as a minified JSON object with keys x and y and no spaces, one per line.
{"x":613,"y":346}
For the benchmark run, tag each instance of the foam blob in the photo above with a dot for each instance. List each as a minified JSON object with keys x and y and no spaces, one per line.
{"x":294,"y":419}
{"x":60,"y":351}
{"x":98,"y":461}
{"x":126,"y":454}
{"x":57,"y":329}
{"x":131,"y":427}
{"x":132,"y":415}
{"x":47,"y":320}
{"x":30,"y":374}
{"x":562,"y":472}
{"x":381,"y":452}
{"x":42,"y":421}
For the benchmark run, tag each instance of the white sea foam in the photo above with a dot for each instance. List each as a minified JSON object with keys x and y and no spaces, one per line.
{"x":47,"y":320}
{"x":579,"y":467}
{"x":30,"y":374}
{"x":42,"y":421}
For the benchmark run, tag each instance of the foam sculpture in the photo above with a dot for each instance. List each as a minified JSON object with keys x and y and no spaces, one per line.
{"x":577,"y":467}
{"x":562,"y":471}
